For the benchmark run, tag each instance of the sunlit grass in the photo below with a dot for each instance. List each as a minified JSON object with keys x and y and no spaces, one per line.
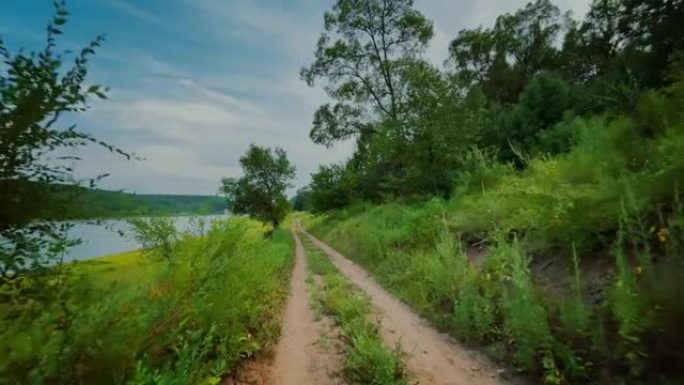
{"x":129,"y":268}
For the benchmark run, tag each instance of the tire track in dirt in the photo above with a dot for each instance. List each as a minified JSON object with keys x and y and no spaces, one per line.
{"x":432,"y":358}
{"x":299,"y":358}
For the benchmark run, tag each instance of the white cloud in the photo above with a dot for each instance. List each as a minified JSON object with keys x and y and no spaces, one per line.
{"x":192,"y":122}
{"x":198,"y":133}
{"x":130,"y":9}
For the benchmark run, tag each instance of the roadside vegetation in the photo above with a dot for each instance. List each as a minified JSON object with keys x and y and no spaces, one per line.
{"x":528,"y":196}
{"x":574,"y":263}
{"x":184,"y":318}
{"x":367,"y":359}
{"x":184,"y":310}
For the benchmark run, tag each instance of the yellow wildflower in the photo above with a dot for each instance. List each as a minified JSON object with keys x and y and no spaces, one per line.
{"x":662,"y":234}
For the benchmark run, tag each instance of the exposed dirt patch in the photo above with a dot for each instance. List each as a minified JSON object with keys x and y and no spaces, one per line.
{"x":476,"y":253}
{"x":332,"y":346}
{"x":253,"y":371}
{"x":432,"y":358}
{"x":556,"y":275}
{"x":553,"y":271}
{"x":300,"y":358}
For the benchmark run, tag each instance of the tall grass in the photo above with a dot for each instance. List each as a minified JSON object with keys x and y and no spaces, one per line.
{"x":615,"y":198}
{"x":188,"y":319}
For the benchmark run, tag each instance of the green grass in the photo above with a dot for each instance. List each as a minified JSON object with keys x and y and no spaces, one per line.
{"x":129,"y":268}
{"x":615,"y":198}
{"x":367,"y":359}
{"x":135,"y":319}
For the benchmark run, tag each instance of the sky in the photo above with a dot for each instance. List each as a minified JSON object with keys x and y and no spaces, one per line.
{"x":194,"y":82}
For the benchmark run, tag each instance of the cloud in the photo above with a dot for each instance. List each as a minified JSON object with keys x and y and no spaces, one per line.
{"x":198,"y":132}
{"x":136,"y":12}
{"x":192,"y":109}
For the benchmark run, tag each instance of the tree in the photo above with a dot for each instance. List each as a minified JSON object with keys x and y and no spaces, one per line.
{"x":261,"y":191}
{"x":330,"y":188}
{"x":359,"y":55}
{"x":36,"y":90}
{"x":302,"y":200}
{"x":501,"y":60}
{"x":473,"y":53}
{"x":589,"y":48}
{"x":654,"y":33}
{"x":543,"y":104}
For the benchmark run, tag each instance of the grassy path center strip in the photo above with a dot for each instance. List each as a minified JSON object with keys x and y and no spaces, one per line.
{"x":367,"y":359}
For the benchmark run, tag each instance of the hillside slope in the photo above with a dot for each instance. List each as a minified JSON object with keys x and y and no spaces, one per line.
{"x":97,"y":203}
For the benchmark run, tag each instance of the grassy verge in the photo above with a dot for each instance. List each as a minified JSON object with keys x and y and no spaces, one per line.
{"x":367,"y":359}
{"x":590,"y":326}
{"x":136,"y":319}
{"x":580,"y":280}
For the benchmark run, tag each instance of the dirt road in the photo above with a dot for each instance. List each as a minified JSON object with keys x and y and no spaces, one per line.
{"x":432,"y":358}
{"x":299,"y":358}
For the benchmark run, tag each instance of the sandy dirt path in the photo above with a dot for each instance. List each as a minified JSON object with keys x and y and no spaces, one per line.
{"x":299,"y":358}
{"x":432,"y":358}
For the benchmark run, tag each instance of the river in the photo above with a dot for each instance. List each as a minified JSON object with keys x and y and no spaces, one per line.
{"x":113,"y":236}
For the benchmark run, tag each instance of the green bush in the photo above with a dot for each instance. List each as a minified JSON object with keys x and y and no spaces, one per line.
{"x":186,"y":321}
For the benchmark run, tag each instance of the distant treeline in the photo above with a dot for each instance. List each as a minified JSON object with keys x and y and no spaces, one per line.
{"x":97,"y":203}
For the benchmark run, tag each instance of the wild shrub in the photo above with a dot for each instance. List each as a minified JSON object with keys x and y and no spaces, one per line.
{"x":156,"y":235}
{"x":474,"y":308}
{"x":525,"y":319}
{"x":480,"y":172}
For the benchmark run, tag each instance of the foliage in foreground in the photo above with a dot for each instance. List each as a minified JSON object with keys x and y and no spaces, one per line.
{"x":367,"y":360}
{"x":36,"y":90}
{"x":188,"y":320}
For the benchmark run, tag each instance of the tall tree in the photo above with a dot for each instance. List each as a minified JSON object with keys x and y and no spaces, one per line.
{"x":502,"y":59}
{"x":359,"y":55}
{"x":261,"y":191}
{"x":473,"y":53}
{"x":654,"y":29}
{"x":442,"y":124}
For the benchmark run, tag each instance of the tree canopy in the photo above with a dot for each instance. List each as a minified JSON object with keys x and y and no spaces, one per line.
{"x":261,"y":191}
{"x":511,"y":89}
{"x":359,"y":56}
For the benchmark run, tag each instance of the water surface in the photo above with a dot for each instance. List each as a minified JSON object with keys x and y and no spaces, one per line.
{"x":113,"y":236}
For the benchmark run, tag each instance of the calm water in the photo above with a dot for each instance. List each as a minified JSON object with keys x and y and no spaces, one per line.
{"x":106,"y":237}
